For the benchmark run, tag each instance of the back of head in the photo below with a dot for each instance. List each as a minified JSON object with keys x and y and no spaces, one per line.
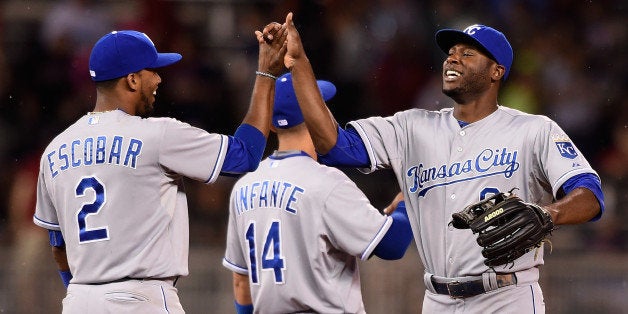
{"x":286,"y":110}
{"x":120,"y":53}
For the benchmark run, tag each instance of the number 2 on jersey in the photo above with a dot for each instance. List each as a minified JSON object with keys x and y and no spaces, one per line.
{"x":271,"y":254}
{"x":86,"y":234}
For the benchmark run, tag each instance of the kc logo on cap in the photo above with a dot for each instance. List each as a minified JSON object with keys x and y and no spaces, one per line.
{"x":471,"y":29}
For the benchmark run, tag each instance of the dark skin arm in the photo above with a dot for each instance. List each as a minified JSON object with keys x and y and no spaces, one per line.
{"x":579,"y":206}
{"x":319,"y":120}
{"x":241,"y":289}
{"x":61,"y":258}
{"x":272,"y":48}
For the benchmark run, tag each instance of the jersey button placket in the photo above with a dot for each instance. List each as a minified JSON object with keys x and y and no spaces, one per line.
{"x":451,"y":198}
{"x":462,"y":133}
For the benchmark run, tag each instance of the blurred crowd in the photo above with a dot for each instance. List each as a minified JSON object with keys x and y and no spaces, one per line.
{"x":570,"y":64}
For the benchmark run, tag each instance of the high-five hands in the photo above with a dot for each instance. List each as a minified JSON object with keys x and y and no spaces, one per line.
{"x":272,"y":48}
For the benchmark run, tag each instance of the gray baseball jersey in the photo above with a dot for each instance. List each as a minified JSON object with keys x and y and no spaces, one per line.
{"x":442,"y":168}
{"x":112,"y":183}
{"x":296,"y":228}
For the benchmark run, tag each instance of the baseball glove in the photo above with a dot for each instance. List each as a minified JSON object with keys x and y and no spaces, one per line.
{"x":507,"y":227}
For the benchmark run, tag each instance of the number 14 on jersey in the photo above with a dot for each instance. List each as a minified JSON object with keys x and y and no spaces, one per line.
{"x":271,"y":258}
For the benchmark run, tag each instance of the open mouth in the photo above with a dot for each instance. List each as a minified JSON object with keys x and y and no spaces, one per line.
{"x":451,"y":74}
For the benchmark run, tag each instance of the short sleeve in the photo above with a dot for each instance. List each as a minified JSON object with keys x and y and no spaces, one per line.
{"x":45,"y":213}
{"x":559,"y":157}
{"x":192,"y":152}
{"x":382,"y":139}
{"x":234,"y":259}
{"x":352,"y":224}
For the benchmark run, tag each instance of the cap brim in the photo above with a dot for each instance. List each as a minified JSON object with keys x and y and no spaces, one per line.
{"x":285,"y":92}
{"x":447,"y":38}
{"x":164,"y":59}
{"x":328,"y":90}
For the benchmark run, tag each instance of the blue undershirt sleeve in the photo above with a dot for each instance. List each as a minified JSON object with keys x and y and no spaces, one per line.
{"x":349,"y":151}
{"x":589,"y":181}
{"x":56,"y":238}
{"x":244,"y":151}
{"x":396,"y":241}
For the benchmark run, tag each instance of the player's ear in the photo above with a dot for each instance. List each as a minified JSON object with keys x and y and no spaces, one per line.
{"x":132,"y":80}
{"x":498,"y":72}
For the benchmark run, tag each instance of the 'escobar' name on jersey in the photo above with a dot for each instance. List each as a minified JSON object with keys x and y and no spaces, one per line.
{"x":115,"y":150}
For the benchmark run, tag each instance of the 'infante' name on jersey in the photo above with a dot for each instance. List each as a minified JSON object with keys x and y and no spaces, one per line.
{"x":93,"y":151}
{"x":267,"y":194}
{"x":488,"y":162}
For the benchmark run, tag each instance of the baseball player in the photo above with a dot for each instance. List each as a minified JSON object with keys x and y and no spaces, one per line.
{"x":296,"y":227}
{"x":110,"y":186}
{"x":446,"y":159}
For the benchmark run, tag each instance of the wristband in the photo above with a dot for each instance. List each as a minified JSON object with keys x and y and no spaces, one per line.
{"x":243,"y":309}
{"x":266,"y":74}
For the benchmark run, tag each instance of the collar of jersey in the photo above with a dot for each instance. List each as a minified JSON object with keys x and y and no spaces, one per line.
{"x":283,"y":154}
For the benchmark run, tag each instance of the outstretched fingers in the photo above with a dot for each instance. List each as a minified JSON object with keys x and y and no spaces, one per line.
{"x":294,"y":47}
{"x":260,"y":37}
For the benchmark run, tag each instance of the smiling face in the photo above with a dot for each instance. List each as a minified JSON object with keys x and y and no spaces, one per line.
{"x":467,"y":73}
{"x":150,"y":80}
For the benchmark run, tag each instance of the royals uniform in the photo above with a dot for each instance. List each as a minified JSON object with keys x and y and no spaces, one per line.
{"x":296,"y":228}
{"x":442,"y":167}
{"x":112,"y":184}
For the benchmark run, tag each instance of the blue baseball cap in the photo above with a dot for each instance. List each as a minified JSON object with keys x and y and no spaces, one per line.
{"x":122,"y":52}
{"x":286,"y":111}
{"x":487,"y":38}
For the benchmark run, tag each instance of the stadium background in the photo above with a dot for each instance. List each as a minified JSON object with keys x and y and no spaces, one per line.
{"x":570,"y":64}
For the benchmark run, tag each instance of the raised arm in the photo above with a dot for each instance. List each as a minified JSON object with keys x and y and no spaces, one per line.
{"x":272,"y":48}
{"x":319,"y":120}
{"x":246,"y":147}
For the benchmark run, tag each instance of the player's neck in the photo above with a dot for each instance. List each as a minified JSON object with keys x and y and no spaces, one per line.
{"x":296,"y":138}
{"x":287,"y":143}
{"x":117,"y":98}
{"x":472,"y":112}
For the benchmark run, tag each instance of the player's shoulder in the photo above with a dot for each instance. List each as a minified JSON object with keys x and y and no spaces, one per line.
{"x":163,"y":121}
{"x":67,"y":132}
{"x":425,"y":112}
{"x":329,"y":172}
{"x":308,"y":169}
{"x":414,"y":114}
{"x":168,"y":126}
{"x":524,"y":117}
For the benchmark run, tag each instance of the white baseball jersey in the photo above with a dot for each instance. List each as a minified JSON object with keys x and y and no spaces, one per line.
{"x":112,"y":183}
{"x":441,"y":168}
{"x":296,"y":228}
